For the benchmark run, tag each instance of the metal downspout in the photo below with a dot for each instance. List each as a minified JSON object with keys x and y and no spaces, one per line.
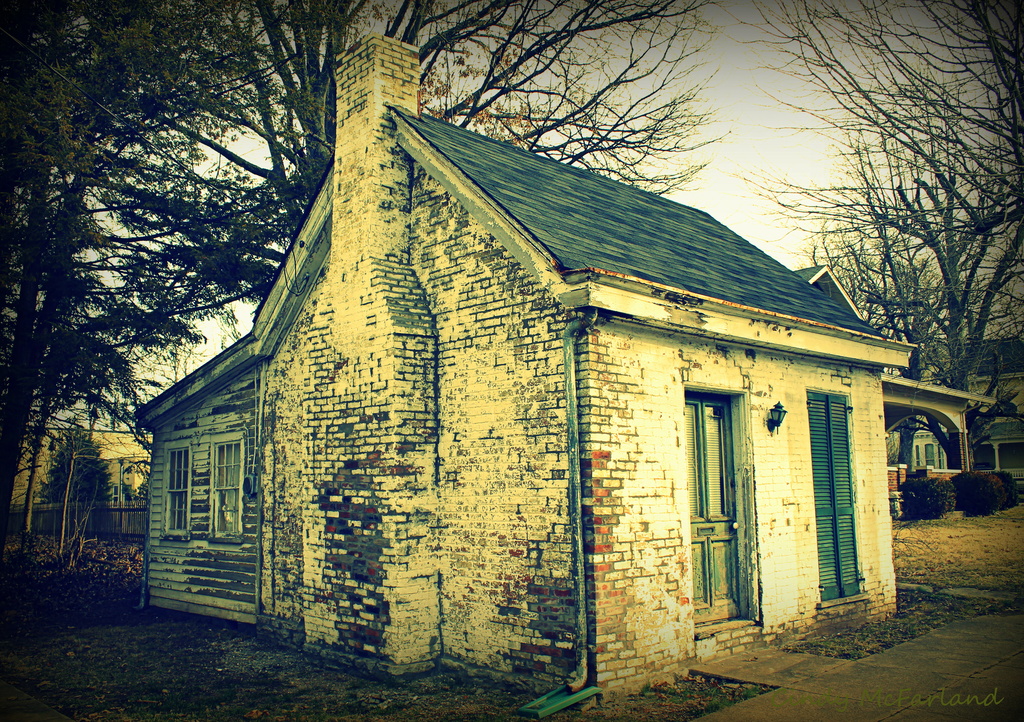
{"x":572,"y":333}
{"x":261,"y":391}
{"x":576,"y":690}
{"x":144,"y":583}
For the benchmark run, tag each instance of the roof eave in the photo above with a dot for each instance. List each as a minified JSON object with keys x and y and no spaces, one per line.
{"x":923,"y":389}
{"x":211,"y":376}
{"x":698,"y":314}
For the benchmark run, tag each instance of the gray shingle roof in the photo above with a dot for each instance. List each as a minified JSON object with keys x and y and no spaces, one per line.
{"x":588,"y":221}
{"x":808,"y":273}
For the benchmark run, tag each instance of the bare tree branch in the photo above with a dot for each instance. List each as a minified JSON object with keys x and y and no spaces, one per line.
{"x":925,"y":227}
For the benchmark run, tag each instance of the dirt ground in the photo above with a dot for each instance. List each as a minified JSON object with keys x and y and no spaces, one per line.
{"x":73,"y":640}
{"x":985,"y":552}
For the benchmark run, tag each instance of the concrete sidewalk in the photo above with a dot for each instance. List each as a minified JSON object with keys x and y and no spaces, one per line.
{"x":16,"y":706}
{"x":968,"y":670}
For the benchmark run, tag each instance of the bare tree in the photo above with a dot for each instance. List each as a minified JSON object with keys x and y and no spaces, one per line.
{"x":156,"y":155}
{"x":599,"y":83}
{"x":924,"y":223}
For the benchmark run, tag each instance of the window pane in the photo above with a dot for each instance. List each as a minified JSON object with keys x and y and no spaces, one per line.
{"x":226,"y":481}
{"x":227,"y":511}
{"x":178,"y":472}
{"x":176,"y":511}
{"x":715,"y":462}
{"x":177,"y":490}
{"x":229,"y":465}
{"x":691,"y":458}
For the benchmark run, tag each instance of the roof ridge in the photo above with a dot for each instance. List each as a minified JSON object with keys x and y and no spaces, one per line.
{"x":587,"y":220}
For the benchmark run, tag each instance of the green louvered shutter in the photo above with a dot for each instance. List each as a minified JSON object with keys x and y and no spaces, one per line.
{"x":833,"y":495}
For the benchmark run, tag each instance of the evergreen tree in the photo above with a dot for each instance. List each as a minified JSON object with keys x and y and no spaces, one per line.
{"x":132,"y":204}
{"x":77,"y":470}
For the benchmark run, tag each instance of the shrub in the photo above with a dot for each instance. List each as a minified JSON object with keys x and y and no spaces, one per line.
{"x":1010,"y":487}
{"x":978,"y":493}
{"x":927,"y":498}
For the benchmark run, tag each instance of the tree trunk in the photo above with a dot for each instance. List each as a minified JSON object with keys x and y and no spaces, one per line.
{"x":906,"y":453}
{"x":64,"y":508}
{"x":948,"y":442}
{"x":30,"y":487}
{"x":20,"y":390}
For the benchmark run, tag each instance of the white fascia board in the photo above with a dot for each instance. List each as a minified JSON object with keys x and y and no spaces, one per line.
{"x":297,"y":276}
{"x":208,"y":378}
{"x":899,"y":387}
{"x":485,"y":210}
{"x":709,"y":318}
{"x":827,"y":271}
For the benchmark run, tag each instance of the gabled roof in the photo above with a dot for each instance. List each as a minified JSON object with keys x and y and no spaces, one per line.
{"x":587,"y":221}
{"x":811,"y":274}
{"x":822,"y":278}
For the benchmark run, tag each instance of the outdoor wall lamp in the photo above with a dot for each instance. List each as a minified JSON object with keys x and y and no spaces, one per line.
{"x":775,"y":416}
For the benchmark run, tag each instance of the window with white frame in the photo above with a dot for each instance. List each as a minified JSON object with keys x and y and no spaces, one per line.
{"x":227,"y":482}
{"x":178,"y":474}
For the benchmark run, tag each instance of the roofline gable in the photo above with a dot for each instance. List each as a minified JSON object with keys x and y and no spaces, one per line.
{"x":295,"y":278}
{"x":297,"y":275}
{"x":817,"y":273}
{"x":322,"y":186}
{"x":487,"y":211}
{"x":212,"y":376}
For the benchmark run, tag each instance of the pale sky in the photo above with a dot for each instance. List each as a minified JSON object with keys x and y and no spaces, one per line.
{"x":760,"y":139}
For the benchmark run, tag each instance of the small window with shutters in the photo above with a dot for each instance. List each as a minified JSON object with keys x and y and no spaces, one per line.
{"x":833,"y":495}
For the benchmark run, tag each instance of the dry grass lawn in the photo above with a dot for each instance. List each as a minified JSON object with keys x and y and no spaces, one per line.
{"x":985,"y":552}
{"x":73,"y":640}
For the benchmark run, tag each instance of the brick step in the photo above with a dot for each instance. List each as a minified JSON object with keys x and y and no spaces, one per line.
{"x":720,"y":640}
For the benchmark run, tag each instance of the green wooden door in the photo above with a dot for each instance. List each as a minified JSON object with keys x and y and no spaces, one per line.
{"x":712,"y":497}
{"x":833,"y":495}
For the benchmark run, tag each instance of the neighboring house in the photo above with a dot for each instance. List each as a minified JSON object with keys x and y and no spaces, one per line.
{"x":508,"y":415}
{"x":1004,"y":448}
{"x":905,"y":398}
{"x":1002,"y":441}
{"x":928,"y":452}
{"x":126,"y":459}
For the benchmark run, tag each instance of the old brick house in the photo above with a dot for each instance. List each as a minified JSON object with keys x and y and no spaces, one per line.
{"x":504,"y":414}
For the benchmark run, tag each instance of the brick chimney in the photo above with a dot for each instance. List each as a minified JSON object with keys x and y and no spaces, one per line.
{"x":353,"y":396}
{"x":376,"y":72}
{"x":371,"y":172}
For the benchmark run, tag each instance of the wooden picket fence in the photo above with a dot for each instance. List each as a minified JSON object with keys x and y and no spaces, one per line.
{"x":125,"y":521}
